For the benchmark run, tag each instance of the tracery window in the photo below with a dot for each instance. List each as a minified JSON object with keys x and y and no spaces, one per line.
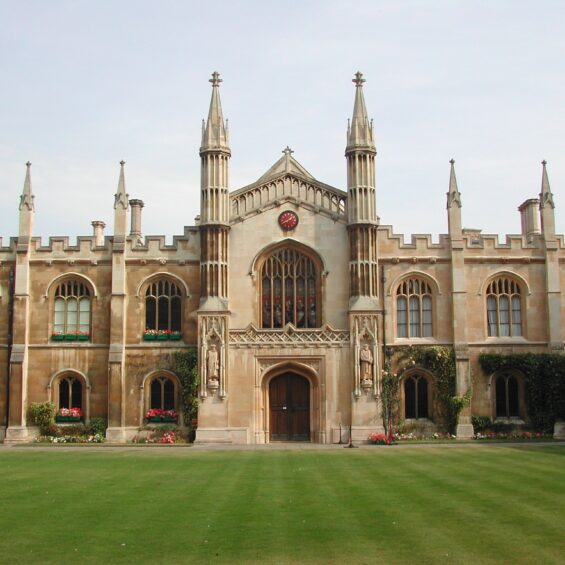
{"x":507,"y":396}
{"x":289,"y":290}
{"x":504,"y":308}
{"x":163,"y":306}
{"x":414,"y":309}
{"x":72,"y":308}
{"x":162,"y":394}
{"x":415,"y":397}
{"x":70,"y":392}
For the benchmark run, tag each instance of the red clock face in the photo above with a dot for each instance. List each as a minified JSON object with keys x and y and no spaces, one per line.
{"x":288,"y":220}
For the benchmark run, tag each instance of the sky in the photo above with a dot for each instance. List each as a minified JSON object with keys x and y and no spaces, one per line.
{"x":86,"y":84}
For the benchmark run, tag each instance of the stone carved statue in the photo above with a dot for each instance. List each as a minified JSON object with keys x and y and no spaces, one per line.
{"x":213,"y":367}
{"x":366,"y":361}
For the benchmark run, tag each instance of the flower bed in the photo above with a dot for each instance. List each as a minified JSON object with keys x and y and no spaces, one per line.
{"x":379,"y":439}
{"x":511,"y":435}
{"x":157,"y":415}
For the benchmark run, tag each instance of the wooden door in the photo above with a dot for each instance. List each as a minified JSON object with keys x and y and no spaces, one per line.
{"x":289,"y":400}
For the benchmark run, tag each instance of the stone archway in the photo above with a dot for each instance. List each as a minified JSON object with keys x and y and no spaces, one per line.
{"x":305,"y":377}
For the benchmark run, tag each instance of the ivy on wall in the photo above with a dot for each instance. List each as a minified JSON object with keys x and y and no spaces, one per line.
{"x":439,"y":361}
{"x":185,"y":365}
{"x":544,"y":380}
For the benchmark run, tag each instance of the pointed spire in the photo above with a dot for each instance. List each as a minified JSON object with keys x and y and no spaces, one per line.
{"x":453,"y":196}
{"x":215,"y":133}
{"x":360,"y":130}
{"x":546,"y":196}
{"x":27,"y":197}
{"x":121,"y":197}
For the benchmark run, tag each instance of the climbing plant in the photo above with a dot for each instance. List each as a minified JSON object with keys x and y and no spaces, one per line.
{"x":185,"y":365}
{"x":390,"y":393}
{"x":439,"y":361}
{"x":544,"y":380}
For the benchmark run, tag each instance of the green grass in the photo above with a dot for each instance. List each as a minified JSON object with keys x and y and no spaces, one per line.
{"x":475,"y":504}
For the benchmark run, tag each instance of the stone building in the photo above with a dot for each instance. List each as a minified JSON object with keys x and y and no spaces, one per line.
{"x":292,"y":292}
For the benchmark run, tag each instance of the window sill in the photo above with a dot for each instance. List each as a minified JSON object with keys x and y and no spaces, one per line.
{"x":419,"y":340}
{"x":513,"y":420}
{"x":509,"y":339}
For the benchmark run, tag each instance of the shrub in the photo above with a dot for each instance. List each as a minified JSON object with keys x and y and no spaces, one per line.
{"x":42,"y":414}
{"x":481,"y":423}
{"x":73,"y":430}
{"x":96,"y":426}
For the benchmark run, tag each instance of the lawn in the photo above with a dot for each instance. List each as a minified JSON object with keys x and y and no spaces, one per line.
{"x":430,"y":504}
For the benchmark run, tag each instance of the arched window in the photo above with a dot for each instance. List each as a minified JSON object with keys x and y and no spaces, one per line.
{"x":507,"y":396}
{"x":414,"y":309}
{"x":289,"y":290}
{"x":162,"y":394}
{"x":504,"y":308}
{"x":163,"y":306}
{"x":70,"y":392}
{"x":72,"y":308}
{"x":415,"y":397}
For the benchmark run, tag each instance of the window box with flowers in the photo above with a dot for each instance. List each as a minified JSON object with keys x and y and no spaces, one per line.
{"x":69,"y":415}
{"x":58,"y":336}
{"x":157,"y":415}
{"x":161,"y":335}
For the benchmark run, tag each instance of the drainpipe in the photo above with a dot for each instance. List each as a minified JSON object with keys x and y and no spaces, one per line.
{"x":11,"y":278}
{"x":383,"y":280}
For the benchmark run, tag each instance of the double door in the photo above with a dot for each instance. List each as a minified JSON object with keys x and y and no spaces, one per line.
{"x":289,"y":402}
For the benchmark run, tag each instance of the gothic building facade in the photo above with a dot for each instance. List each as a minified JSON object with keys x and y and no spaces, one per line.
{"x":292,"y":292}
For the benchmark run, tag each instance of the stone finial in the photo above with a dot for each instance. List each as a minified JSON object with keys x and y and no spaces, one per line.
{"x":27,"y":198}
{"x":121,"y":197}
{"x":214,"y":132}
{"x":358,"y":80}
{"x":215,"y":80}
{"x":453,"y":195}
{"x":288,"y":151}
{"x":546,"y":196}
{"x":360,"y":129}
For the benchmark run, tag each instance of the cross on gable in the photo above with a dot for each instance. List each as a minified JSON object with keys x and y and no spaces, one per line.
{"x":288,"y":151}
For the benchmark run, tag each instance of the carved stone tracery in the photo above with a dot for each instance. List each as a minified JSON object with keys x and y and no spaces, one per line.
{"x":289,"y":336}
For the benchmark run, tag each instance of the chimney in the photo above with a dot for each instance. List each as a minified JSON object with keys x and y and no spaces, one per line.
{"x":98,"y":227}
{"x":529,"y":215}
{"x":136,"y":206}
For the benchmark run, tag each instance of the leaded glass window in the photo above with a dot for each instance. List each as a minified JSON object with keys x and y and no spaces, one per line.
{"x":414,"y":309}
{"x":163,"y":306}
{"x":72,"y":308}
{"x":289,"y":290}
{"x":504,"y":308}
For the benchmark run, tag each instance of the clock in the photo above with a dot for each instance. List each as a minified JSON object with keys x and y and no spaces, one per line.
{"x":288,"y":220}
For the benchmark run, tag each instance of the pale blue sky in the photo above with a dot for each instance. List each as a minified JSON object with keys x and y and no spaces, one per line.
{"x":88,"y":83}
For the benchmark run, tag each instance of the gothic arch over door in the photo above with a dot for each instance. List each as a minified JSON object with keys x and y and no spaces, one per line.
{"x":289,"y":408}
